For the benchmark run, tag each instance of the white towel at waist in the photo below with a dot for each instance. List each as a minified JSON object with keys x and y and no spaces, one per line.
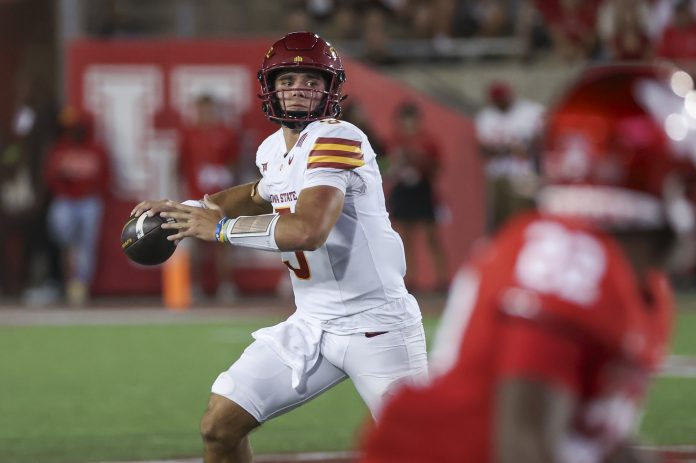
{"x":296,"y":342}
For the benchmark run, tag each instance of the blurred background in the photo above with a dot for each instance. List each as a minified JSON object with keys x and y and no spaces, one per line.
{"x":104,"y":103}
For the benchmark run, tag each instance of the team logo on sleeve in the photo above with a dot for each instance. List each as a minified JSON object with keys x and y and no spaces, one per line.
{"x":339,"y":153}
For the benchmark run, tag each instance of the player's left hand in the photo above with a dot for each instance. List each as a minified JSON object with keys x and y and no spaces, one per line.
{"x":196,"y":222}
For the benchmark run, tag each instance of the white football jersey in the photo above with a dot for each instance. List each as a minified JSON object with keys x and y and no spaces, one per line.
{"x":361,"y":265}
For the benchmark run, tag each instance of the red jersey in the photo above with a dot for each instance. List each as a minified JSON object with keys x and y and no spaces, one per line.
{"x":206,"y":156}
{"x":418,"y":151}
{"x":77,"y":170}
{"x":678,"y":43}
{"x":575,"y":23}
{"x":553,"y":301}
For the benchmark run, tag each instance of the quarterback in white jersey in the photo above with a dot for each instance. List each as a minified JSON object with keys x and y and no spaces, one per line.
{"x":361,"y":265}
{"x":320,"y":204}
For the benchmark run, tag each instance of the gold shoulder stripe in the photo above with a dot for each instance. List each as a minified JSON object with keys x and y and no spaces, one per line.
{"x":335,"y":160}
{"x":339,"y":159}
{"x":336,"y":147}
{"x":341,"y":154}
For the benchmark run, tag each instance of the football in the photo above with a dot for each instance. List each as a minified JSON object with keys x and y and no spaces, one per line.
{"x":145,"y":241}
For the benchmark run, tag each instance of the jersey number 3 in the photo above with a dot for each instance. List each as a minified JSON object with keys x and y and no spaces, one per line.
{"x":302,"y":270}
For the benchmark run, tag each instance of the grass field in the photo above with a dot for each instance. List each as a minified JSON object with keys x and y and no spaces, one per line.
{"x":129,"y":392}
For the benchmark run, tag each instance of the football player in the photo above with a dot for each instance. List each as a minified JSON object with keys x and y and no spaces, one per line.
{"x":319,"y":204}
{"x":552,"y":332}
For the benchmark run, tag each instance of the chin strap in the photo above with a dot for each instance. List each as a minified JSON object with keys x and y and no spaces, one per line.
{"x":292,"y":125}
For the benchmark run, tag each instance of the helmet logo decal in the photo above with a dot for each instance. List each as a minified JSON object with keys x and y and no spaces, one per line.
{"x":574,"y":162}
{"x":299,"y":50}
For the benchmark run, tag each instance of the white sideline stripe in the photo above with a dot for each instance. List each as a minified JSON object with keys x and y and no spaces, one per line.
{"x":51,"y":316}
{"x":676,"y":450}
{"x":270,"y":458}
{"x":686,"y":448}
{"x":191,"y":460}
{"x":309,"y":456}
{"x":679,"y":366}
{"x":675,"y":453}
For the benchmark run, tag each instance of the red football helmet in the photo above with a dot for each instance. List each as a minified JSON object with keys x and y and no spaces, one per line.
{"x":620,"y":149}
{"x":301,"y":51}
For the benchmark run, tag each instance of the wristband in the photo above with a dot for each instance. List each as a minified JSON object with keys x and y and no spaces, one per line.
{"x":221,"y":230}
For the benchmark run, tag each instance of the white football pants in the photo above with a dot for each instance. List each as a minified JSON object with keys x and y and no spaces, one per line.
{"x":261,"y":383}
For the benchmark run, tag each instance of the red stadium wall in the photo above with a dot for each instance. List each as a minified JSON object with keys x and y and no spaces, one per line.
{"x":139,"y":90}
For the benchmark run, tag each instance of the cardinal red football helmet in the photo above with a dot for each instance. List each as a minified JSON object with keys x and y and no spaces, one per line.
{"x":302,"y":51}
{"x":620,"y":149}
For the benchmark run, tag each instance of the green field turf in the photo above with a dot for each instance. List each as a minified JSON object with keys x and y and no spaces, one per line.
{"x":99,"y":393}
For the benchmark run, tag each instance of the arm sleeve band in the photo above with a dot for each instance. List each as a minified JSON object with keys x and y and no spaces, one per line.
{"x":256,"y":231}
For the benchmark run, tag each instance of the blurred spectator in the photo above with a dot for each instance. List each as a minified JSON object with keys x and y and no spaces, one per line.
{"x":507,"y":129}
{"x":492,"y":18}
{"x":375,"y":37}
{"x":297,"y":20}
{"x":18,"y":201}
{"x":443,"y":28}
{"x":320,"y":10}
{"x":421,"y":18}
{"x":354,"y":112}
{"x":678,"y":41}
{"x":28,"y":257}
{"x":572,"y":26}
{"x":77,"y":173}
{"x":530,"y":28}
{"x":552,"y":332}
{"x":207,"y":163}
{"x":120,"y":20}
{"x":299,"y":15}
{"x":414,"y":160}
{"x":345,"y":24}
{"x":622,"y":26}
{"x":661,"y":15}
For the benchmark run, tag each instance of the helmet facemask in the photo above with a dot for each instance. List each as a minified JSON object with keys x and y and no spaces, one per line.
{"x":322,"y":103}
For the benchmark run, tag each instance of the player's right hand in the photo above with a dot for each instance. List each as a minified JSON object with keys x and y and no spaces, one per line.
{"x":154,"y":207}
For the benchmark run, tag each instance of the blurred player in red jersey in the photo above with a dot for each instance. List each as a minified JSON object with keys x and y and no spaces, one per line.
{"x":553,"y":330}
{"x":208,"y":152}
{"x":414,"y":160}
{"x":77,"y":175}
{"x":207,"y":160}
